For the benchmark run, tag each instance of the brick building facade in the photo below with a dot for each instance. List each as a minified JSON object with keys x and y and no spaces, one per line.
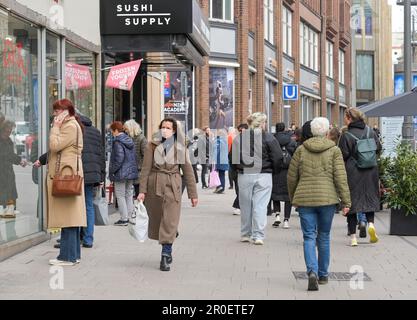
{"x":258,"y":46}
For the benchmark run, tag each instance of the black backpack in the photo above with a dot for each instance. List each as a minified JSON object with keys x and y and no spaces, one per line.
{"x":286,"y":158}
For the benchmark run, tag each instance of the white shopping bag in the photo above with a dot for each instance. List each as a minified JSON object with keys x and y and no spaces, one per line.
{"x":138,"y":224}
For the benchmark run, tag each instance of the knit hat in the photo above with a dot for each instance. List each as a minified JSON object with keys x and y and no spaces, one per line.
{"x":307,"y":134}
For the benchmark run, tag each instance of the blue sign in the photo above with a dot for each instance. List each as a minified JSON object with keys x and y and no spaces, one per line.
{"x":290,"y":92}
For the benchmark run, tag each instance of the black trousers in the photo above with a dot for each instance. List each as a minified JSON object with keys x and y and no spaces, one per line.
{"x":231,"y":180}
{"x":236,"y":204}
{"x":352,"y":221}
{"x":204,"y":170}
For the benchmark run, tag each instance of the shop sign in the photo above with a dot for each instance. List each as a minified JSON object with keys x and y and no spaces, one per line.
{"x":13,"y":60}
{"x":77,"y":76}
{"x":122,"y":76}
{"x":120,"y":17}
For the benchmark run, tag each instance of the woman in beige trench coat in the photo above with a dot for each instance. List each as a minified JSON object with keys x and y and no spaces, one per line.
{"x":160,"y":183}
{"x":68,"y":213}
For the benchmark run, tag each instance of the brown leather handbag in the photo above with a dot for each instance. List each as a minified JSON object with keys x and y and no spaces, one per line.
{"x":68,"y":185}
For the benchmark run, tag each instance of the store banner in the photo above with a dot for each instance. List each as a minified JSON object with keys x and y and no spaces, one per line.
{"x":77,"y":76}
{"x":122,"y":76}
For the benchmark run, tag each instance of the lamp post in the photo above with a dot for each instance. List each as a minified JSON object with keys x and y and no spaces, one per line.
{"x":408,"y":132}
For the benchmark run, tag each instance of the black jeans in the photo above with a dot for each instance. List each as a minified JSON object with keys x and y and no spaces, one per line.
{"x":230,"y":179}
{"x":352,"y":221}
{"x":204,"y":170}
{"x":236,"y":204}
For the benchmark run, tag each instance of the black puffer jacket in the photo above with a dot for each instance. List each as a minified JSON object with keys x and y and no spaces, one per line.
{"x":363,"y":183}
{"x":280,"y":187}
{"x":93,"y":156}
{"x":247,"y":159}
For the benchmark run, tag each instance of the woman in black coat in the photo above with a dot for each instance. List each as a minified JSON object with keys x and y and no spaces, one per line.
{"x":8,"y":158}
{"x":363,"y":183}
{"x":280,"y":188}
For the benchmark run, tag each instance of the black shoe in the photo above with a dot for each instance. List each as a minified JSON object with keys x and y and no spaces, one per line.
{"x":221,"y":191}
{"x":177,"y":235}
{"x":88,"y":246}
{"x":362,"y":229}
{"x":323,"y":280}
{"x":169,"y":258}
{"x":205,"y":187}
{"x":313,"y":284}
{"x":58,"y":240}
{"x":57,"y":246}
{"x":122,"y":223}
{"x":164,"y":266}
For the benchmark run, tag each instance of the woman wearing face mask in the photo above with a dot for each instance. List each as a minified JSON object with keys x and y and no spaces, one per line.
{"x":160,"y":185}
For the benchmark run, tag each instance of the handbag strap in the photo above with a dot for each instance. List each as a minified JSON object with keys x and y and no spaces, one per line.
{"x":58,"y":160}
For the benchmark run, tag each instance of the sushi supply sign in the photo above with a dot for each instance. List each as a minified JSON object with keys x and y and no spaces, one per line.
{"x":119,"y":17}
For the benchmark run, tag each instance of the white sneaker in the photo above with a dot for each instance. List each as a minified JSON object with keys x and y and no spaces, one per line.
{"x":286,"y":224}
{"x":277,"y":221}
{"x":56,"y":262}
{"x":245,"y":239}
{"x":236,"y":212}
{"x":258,"y":242}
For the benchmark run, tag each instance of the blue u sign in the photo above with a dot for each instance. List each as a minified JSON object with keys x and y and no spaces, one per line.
{"x":290,"y":92}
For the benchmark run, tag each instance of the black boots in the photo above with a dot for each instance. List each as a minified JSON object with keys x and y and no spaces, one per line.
{"x":166,"y":260}
{"x":313,"y":283}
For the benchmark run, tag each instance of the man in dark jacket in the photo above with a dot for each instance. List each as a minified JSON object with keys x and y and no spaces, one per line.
{"x":280,"y":188}
{"x":94,"y":166}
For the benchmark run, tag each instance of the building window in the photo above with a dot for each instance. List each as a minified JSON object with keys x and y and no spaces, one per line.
{"x":251,"y":79}
{"x":287,"y":31}
{"x":20,"y":130}
{"x":368,"y":19}
{"x":365,"y":71}
{"x":80,"y":90}
{"x":341,"y":66}
{"x":329,"y":112}
{"x":309,"y":47}
{"x":269,"y":20}
{"x":362,"y":18}
{"x":329,"y":59}
{"x":221,"y":10}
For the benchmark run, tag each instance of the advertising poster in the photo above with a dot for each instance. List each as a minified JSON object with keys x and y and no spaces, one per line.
{"x":77,"y":76}
{"x":221,"y":98}
{"x":178,"y":97}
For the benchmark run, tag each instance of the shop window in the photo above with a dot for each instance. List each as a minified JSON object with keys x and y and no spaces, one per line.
{"x":20,"y":205}
{"x":80,"y":80}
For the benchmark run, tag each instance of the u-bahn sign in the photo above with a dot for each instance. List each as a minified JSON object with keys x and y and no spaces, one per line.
{"x":120,"y":17}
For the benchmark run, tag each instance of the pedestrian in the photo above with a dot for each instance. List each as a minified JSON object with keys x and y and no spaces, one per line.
{"x":363,"y":182}
{"x":280,"y":187}
{"x":123,"y":171}
{"x":133,"y":130}
{"x":67,"y":213}
{"x":334,"y":135}
{"x":230,"y":137}
{"x":236,"y":206}
{"x":8,"y":158}
{"x":160,"y":186}
{"x":256,"y":156}
{"x":94,"y":167}
{"x":316,"y":181}
{"x":205,"y":143}
{"x":221,"y":159}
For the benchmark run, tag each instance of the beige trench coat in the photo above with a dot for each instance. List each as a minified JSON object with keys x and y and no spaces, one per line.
{"x":69,"y":211}
{"x":161,"y":181}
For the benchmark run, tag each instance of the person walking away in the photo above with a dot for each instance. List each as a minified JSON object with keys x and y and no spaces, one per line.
{"x":133,"y":130}
{"x":316,"y":181}
{"x":94,"y":167}
{"x":67,"y":213}
{"x":230,"y":137}
{"x":280,"y":187}
{"x":123,"y":171}
{"x":236,"y":206}
{"x":220,"y":156}
{"x":362,"y":170}
{"x":205,"y":160}
{"x":256,"y":156}
{"x":160,"y":186}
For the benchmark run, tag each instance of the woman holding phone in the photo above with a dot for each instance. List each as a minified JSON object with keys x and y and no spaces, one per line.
{"x":67,"y":213}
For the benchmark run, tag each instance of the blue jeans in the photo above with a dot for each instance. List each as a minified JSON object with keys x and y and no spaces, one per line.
{"x":222,"y":178}
{"x":70,"y":248}
{"x":362,"y":217}
{"x":316,"y":223}
{"x":254,"y":195}
{"x":88,"y":233}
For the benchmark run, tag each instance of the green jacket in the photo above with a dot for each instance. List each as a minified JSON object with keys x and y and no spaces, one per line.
{"x":317,"y":175}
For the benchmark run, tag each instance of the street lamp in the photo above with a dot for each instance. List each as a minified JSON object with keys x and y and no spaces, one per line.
{"x":408,"y":132}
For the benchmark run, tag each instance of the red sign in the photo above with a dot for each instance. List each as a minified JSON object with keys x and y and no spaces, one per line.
{"x":77,"y":76}
{"x":13,"y":61}
{"x":123,"y":75}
